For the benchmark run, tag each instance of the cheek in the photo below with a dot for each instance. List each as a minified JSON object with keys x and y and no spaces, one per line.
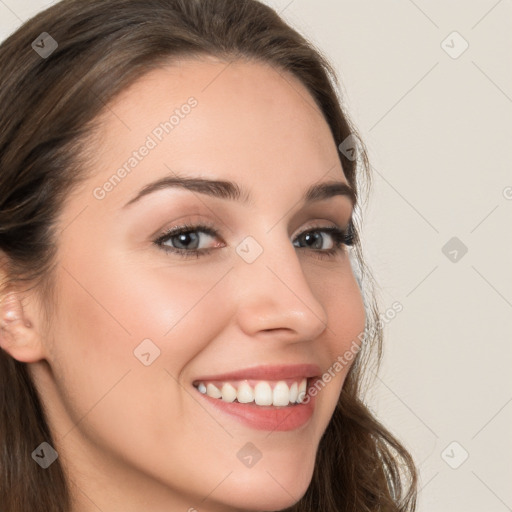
{"x":341,"y":297}
{"x":346,"y":314}
{"x":135,"y":319}
{"x":101,"y":325}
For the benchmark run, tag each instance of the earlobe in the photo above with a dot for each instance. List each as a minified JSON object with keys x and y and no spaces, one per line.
{"x":18,"y":336}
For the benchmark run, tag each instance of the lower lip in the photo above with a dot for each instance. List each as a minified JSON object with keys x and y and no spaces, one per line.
{"x":261,"y":417}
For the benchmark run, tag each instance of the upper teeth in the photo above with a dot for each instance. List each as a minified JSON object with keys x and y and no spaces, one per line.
{"x":262,"y":393}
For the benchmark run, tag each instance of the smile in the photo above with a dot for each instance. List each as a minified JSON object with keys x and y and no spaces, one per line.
{"x":262,"y":405}
{"x":280,"y":393}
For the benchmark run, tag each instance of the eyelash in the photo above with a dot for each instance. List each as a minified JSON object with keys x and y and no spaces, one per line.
{"x":340,"y":238}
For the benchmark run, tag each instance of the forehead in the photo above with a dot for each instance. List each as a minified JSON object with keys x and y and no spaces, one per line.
{"x":250,"y":123}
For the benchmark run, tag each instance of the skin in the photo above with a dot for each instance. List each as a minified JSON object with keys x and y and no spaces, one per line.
{"x":135,"y":437}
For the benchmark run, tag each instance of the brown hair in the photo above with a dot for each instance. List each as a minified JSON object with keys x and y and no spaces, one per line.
{"x":49,"y":107}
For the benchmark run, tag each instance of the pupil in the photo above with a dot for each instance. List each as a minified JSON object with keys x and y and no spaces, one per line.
{"x":314,"y":238}
{"x":185,"y":239}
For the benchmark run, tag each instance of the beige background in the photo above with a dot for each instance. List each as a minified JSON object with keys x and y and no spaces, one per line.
{"x":439,"y":132}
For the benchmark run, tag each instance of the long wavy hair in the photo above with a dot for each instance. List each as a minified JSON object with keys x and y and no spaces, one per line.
{"x":49,"y":106}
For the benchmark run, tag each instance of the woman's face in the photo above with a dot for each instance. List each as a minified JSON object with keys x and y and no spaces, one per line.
{"x":140,"y":331}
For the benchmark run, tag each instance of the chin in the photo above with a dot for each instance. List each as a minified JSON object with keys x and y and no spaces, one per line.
{"x":268,"y":490}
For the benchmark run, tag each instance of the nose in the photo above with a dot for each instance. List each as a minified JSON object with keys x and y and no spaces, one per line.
{"x":274,"y":294}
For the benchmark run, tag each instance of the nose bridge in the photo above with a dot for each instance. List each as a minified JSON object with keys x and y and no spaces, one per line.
{"x":274,"y":292}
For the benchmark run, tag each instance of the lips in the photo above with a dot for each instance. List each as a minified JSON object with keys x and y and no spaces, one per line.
{"x":262,"y":397}
{"x":267,"y":372}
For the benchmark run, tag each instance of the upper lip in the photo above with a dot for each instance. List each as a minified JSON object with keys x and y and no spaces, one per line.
{"x":267,"y":372}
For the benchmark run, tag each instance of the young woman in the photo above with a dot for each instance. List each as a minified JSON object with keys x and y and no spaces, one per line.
{"x":186,"y":315}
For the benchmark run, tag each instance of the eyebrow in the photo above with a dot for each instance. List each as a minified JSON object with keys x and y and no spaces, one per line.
{"x":232,"y":191}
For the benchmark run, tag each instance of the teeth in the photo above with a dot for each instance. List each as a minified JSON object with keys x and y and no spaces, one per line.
{"x":294,"y":392}
{"x":245,"y":393}
{"x":213,"y":391}
{"x":281,"y":394}
{"x":228,"y":392}
{"x":302,"y":391}
{"x":261,"y":394}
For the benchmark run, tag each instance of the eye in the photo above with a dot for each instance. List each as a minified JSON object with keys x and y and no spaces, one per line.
{"x":185,"y":240}
{"x":189,"y":240}
{"x":315,"y":238}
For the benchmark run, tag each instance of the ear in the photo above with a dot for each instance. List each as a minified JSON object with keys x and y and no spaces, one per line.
{"x":18,"y":335}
